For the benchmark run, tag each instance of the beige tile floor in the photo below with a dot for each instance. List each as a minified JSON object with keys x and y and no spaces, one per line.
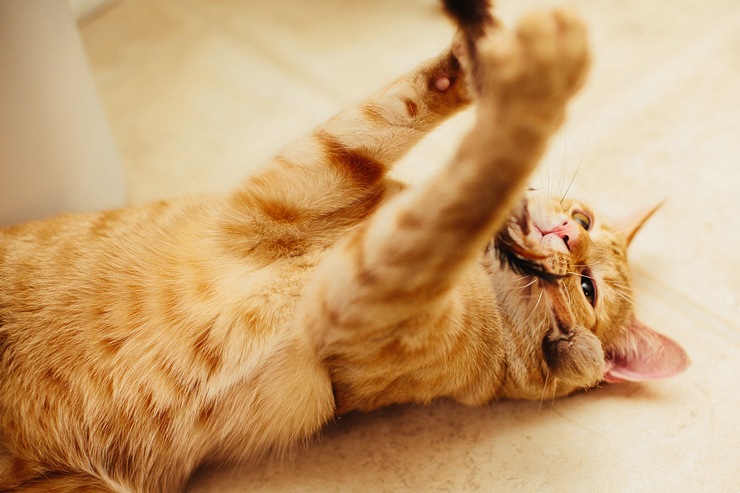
{"x":199,"y":93}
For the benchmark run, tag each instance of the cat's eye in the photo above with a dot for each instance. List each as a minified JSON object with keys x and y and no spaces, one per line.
{"x":588,"y":288}
{"x":582,"y":218}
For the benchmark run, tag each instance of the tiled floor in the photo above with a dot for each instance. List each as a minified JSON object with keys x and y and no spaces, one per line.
{"x":199,"y":93}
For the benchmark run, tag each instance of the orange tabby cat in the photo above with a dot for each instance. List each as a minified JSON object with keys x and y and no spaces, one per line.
{"x":137,"y":343}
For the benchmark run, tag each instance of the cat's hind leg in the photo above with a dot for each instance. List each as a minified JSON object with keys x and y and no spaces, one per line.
{"x":15,"y":471}
{"x":20,"y":476}
{"x":72,"y":483}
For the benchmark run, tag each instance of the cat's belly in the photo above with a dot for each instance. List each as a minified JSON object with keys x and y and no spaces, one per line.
{"x":172,"y":362}
{"x":287,"y":400}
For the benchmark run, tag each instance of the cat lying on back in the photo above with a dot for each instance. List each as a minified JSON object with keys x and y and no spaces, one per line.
{"x":137,"y":343}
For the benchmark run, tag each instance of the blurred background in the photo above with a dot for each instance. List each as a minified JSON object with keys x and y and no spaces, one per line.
{"x":56,"y":150}
{"x":199,"y":93}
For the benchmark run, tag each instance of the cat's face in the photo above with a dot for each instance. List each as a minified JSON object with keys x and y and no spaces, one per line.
{"x":577,"y":328}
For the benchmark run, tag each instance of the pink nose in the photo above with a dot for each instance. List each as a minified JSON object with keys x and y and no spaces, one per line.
{"x":570,"y":232}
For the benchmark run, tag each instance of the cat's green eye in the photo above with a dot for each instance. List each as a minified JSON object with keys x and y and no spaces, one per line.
{"x":589,"y":291}
{"x":582,"y":219}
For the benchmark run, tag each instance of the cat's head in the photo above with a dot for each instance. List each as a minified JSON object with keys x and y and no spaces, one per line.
{"x":563,"y":284}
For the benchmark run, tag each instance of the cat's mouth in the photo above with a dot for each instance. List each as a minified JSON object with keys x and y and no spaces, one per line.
{"x":517,"y":252}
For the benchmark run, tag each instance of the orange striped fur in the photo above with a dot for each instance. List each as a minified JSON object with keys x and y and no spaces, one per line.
{"x":137,"y":343}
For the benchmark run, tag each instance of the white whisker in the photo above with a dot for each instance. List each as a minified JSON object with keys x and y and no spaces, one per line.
{"x":581,"y":274}
{"x":625,"y":297}
{"x":583,"y":197}
{"x":572,"y":180}
{"x":544,"y":389}
{"x":563,"y":168}
{"x":593,"y":166}
{"x":528,"y":320}
{"x":536,"y":305}
{"x":533,"y":281}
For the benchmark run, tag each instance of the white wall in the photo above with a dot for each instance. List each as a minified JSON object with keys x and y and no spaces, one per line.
{"x":56,"y":151}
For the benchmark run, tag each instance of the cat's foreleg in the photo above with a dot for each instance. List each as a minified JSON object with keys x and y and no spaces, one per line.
{"x":409,"y":256}
{"x":344,"y":160}
{"x":386,"y":125}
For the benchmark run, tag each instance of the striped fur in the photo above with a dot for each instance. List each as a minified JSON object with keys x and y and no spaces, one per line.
{"x":137,"y":343}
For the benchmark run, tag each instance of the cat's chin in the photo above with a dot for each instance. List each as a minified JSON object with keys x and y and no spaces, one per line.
{"x":577,"y":362}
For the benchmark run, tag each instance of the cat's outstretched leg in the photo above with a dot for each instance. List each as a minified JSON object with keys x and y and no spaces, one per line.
{"x":344,"y":161}
{"x":403,"y":270}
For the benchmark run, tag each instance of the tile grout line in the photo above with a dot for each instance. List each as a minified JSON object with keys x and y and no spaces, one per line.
{"x":678,"y":300}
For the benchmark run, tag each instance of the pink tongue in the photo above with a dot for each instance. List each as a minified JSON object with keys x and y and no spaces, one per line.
{"x":568,"y":232}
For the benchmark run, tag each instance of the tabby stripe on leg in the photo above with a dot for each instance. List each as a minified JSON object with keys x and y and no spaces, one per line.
{"x":350,"y":162}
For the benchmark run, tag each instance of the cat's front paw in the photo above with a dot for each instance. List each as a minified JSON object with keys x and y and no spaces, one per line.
{"x":530,"y":74}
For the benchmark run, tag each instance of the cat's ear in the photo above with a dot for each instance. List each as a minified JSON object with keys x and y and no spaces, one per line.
{"x":630,"y":225}
{"x":644,"y":354}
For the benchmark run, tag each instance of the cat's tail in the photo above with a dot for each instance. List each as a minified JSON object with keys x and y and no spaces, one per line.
{"x":470,"y":15}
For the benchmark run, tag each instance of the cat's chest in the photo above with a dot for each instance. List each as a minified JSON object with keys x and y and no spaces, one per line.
{"x":269,"y":292}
